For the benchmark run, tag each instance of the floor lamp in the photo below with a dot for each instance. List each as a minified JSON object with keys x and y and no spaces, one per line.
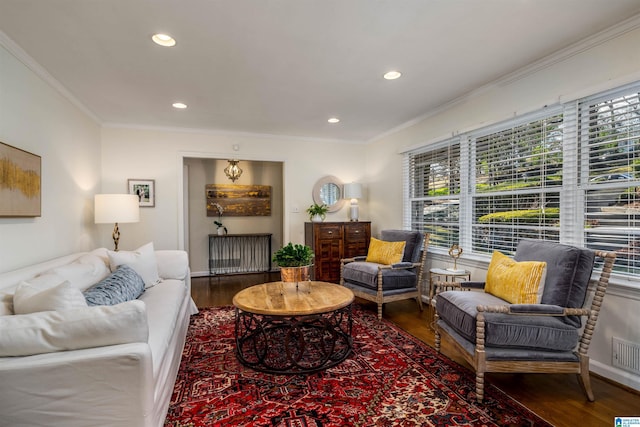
{"x":116,"y":208}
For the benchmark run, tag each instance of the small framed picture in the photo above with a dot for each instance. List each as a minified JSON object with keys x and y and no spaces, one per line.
{"x":145,"y":189}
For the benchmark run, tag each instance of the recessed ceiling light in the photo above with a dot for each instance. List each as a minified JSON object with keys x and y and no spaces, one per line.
{"x":392,"y":75}
{"x":333,"y":120}
{"x":179,"y":105}
{"x":163,"y":40}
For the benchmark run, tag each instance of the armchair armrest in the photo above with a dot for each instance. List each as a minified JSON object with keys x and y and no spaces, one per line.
{"x":536,"y":309}
{"x":472,"y":285}
{"x":404,"y":265}
{"x":438,"y":286}
{"x":353,"y":259}
{"x":399,"y":266}
{"x":533,"y":310}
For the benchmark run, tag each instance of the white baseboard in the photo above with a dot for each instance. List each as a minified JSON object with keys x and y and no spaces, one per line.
{"x":618,"y":375}
{"x":199,"y":273}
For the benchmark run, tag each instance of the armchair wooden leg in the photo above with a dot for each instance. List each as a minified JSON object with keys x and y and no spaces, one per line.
{"x":479,"y":386}
{"x":584,"y":379}
{"x":419,"y":301}
{"x":436,"y":331}
{"x":379,"y":311}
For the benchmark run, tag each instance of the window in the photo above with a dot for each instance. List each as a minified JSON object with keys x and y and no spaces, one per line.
{"x":434,"y":193}
{"x":609,"y":134}
{"x":516,"y":185}
{"x":568,"y":173}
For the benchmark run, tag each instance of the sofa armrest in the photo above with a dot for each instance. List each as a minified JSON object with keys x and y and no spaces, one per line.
{"x":172,"y":264}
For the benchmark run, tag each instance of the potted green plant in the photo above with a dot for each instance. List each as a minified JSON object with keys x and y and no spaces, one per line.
{"x":294,"y":262}
{"x":317,"y":213}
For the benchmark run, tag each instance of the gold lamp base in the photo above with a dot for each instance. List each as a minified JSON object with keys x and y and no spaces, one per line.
{"x":116,"y":236}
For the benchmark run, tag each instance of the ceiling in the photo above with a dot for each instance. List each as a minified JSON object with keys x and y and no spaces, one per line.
{"x":283,"y":67}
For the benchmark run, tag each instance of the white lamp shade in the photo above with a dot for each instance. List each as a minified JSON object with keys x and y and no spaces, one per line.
{"x":353,"y":191}
{"x":112,"y":208}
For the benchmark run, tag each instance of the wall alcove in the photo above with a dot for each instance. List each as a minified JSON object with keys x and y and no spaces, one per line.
{"x":199,"y":172}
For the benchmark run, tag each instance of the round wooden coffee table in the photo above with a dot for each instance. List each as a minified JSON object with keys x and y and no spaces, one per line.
{"x":293,"y":327}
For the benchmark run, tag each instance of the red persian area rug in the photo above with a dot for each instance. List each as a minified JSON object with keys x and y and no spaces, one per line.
{"x":390,"y":379}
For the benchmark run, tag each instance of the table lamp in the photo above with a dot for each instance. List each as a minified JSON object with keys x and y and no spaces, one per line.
{"x":116,"y":208}
{"x":353,"y":191}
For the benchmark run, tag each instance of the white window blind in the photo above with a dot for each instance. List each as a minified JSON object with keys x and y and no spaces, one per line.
{"x":516,"y":184}
{"x":432,"y":194}
{"x":609,"y":143}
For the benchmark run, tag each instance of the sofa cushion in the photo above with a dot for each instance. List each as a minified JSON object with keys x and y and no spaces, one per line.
{"x":122,"y":285}
{"x":413,"y":241}
{"x":458,"y":310}
{"x":163,"y":303}
{"x":568,"y":272}
{"x":84,"y":272}
{"x":30,"y":299}
{"x":366,"y":274}
{"x":142,"y":260}
{"x":515,"y":282}
{"x":85,"y":327}
{"x":385,"y":253}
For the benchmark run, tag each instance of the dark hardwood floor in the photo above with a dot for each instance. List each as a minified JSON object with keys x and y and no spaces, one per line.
{"x":556,"y":398}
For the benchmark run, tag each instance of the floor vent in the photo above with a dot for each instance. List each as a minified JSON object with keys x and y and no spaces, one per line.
{"x":626,"y":355}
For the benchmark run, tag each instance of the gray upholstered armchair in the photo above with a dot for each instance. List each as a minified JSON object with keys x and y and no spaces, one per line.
{"x":384,"y":283}
{"x":495,"y":336}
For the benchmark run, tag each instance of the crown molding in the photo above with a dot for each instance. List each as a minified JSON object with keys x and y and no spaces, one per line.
{"x":22,"y":56}
{"x":219,"y":132}
{"x":590,"y":42}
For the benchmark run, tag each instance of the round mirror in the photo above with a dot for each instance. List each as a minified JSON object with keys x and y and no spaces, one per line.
{"x":328,"y":191}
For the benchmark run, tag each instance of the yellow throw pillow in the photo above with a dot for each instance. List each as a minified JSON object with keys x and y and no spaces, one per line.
{"x":515,"y":282}
{"x":383,"y":252}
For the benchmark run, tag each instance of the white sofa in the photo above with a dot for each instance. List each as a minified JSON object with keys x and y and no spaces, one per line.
{"x":92,"y":366}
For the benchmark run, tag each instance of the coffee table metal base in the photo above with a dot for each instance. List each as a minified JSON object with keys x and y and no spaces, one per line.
{"x":293,"y":344}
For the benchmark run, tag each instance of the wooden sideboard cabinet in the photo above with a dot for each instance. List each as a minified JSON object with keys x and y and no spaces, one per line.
{"x":332,"y":241}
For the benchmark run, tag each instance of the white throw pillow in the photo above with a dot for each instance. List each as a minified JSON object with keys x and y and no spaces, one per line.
{"x":30,"y":299}
{"x":6,"y":304}
{"x":46,"y":280}
{"x":46,"y":332}
{"x":142,"y":261}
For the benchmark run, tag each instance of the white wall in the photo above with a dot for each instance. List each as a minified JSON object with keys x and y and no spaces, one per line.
{"x":157,"y":154}
{"x":607,"y":63}
{"x":37,"y":118}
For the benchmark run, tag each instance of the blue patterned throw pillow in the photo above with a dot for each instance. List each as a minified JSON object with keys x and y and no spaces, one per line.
{"x":122,"y":285}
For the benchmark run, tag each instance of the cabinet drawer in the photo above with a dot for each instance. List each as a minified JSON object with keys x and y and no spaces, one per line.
{"x":356,"y":232}
{"x":330,"y":231}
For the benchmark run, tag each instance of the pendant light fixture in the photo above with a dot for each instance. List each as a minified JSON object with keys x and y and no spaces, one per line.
{"x":233,"y":171}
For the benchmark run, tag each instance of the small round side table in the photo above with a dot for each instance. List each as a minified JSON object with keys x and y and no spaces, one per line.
{"x":447,"y":276}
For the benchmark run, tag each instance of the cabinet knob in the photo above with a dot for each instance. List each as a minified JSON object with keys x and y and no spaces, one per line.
{"x":330,"y":232}
{"x":357,"y":231}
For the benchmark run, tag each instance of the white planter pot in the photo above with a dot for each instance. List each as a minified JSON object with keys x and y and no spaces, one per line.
{"x":317,"y":218}
{"x":221,"y":231}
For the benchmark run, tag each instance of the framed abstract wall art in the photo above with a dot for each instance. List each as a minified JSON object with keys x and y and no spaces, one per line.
{"x":20,"y":183}
{"x":145,"y":189}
